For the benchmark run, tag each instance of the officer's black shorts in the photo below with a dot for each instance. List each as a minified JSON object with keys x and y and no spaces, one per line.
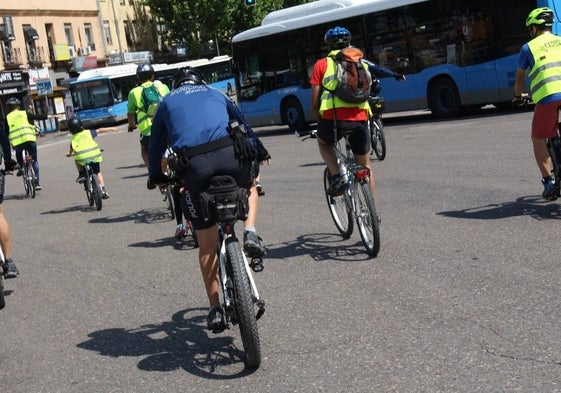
{"x":197,"y":179}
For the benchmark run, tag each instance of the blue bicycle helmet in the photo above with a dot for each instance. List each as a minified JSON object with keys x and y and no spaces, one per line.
{"x":337,"y":37}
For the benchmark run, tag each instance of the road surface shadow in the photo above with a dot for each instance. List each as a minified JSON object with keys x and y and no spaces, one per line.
{"x":182,"y":343}
{"x":533,"y":206}
{"x":321,"y":247}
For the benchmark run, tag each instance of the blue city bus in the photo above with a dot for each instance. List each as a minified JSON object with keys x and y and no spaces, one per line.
{"x":99,"y":96}
{"x":456,"y":54}
{"x":217,"y":73}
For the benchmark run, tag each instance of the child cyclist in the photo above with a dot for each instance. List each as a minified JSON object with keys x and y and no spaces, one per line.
{"x":85,"y":149}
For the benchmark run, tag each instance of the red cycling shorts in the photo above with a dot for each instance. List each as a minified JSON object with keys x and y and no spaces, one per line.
{"x":546,"y":118}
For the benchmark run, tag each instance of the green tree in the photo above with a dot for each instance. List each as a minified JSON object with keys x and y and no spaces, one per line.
{"x":202,"y":25}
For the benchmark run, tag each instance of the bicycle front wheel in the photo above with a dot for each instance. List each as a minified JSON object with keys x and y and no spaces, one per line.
{"x":377,"y":137}
{"x":96,"y":192}
{"x":342,"y":217}
{"x":366,"y":218}
{"x":244,"y":304}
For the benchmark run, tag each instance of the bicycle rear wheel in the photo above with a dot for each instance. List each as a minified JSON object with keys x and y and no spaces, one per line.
{"x":342,"y":217}
{"x":29,"y":180}
{"x":244,"y":304}
{"x":96,"y":192}
{"x":366,"y":218}
{"x":377,"y":137}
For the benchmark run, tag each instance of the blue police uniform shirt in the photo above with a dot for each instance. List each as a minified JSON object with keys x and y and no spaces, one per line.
{"x":188,"y":116}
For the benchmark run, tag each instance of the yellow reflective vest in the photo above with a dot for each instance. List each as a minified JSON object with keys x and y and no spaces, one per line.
{"x":328,"y":99}
{"x":545,"y":75}
{"x":143,"y":120}
{"x":20,"y":131}
{"x":85,"y":148}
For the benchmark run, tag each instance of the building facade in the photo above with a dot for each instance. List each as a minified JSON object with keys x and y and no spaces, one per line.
{"x":43,"y":44}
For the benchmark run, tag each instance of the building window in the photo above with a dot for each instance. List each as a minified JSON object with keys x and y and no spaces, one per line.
{"x":122,"y":2}
{"x":89,"y":35}
{"x":68,"y":33}
{"x":107,"y":32}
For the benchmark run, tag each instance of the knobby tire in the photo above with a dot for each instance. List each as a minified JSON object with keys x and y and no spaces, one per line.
{"x":366,"y":218}
{"x":378,"y":138}
{"x":89,"y":187}
{"x":29,"y":180}
{"x":96,"y":191}
{"x":244,"y":304}
{"x":342,"y":216}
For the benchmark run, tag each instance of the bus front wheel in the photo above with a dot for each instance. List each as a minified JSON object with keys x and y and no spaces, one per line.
{"x":293,"y":115}
{"x":444,"y":99}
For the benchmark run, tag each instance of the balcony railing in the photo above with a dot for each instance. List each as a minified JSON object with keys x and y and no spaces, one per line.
{"x":12,"y":57}
{"x":36,"y":55}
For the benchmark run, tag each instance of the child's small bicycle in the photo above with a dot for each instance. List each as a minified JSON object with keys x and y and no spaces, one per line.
{"x":92,"y":187}
{"x":29,"y":178}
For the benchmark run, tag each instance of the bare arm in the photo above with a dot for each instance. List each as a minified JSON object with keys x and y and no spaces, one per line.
{"x":520,"y":82}
{"x":132,"y":121}
{"x":315,"y":101}
{"x":101,"y":130}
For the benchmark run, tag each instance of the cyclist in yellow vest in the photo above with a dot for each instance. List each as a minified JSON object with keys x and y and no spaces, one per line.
{"x":22,"y":134}
{"x":137,"y":117}
{"x":542,"y":57}
{"x":85,"y":149}
{"x":329,"y":107}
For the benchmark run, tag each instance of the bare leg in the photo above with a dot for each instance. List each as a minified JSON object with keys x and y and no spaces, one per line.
{"x":5,"y":237}
{"x":328,"y":156}
{"x":208,"y":260}
{"x":542,"y":157}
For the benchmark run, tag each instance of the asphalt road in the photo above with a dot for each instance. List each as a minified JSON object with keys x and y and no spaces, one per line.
{"x":463,"y":297}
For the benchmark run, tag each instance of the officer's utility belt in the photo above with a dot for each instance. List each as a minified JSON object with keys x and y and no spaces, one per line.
{"x":191,"y":152}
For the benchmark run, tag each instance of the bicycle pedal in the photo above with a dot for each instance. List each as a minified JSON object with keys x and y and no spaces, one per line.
{"x":257,"y":265}
{"x":261,"y":311}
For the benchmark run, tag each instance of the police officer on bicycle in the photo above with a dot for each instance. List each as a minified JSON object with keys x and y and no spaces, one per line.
{"x":196,"y":120}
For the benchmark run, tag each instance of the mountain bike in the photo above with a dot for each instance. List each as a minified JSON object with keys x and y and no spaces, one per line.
{"x":176,"y":181}
{"x":355,"y":202}
{"x":167,"y":197}
{"x":227,"y":203}
{"x":92,"y":187}
{"x":377,"y":137}
{"x":29,"y":178}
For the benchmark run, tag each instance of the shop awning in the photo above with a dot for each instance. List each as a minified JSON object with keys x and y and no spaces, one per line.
{"x":30,"y":33}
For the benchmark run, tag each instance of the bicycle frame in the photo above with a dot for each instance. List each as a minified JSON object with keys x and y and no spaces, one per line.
{"x":349,"y":171}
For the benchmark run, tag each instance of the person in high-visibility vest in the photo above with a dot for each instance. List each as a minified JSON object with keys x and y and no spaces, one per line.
{"x":542,"y":57}
{"x":328,"y":108}
{"x":22,"y":134}
{"x":137,"y":114}
{"x":85,"y":149}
